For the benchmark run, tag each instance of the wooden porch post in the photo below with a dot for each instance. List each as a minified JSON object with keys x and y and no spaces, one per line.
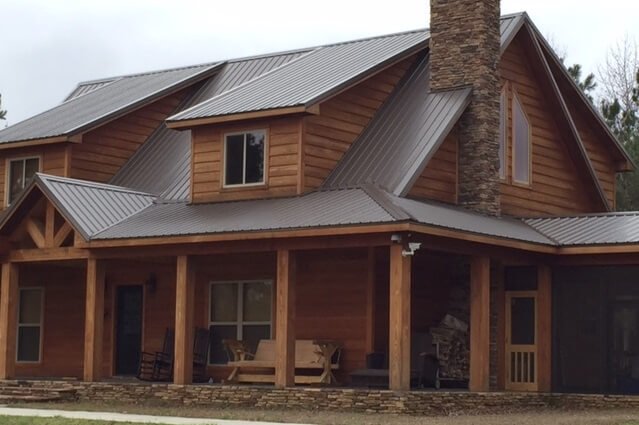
{"x":400,"y":320}
{"x":8,"y":320}
{"x":544,"y":328}
{"x":285,"y":319}
{"x":184,"y":320}
{"x":479,"y":324}
{"x":94,"y":320}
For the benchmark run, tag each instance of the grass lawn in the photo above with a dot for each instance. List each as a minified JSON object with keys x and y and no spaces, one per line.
{"x":554,"y":417}
{"x":15,"y":420}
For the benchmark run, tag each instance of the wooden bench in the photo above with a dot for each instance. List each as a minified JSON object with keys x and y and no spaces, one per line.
{"x":310,"y":357}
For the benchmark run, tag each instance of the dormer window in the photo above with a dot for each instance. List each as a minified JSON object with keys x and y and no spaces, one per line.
{"x":521,"y":143}
{"x":244,"y":158}
{"x":20,"y":172}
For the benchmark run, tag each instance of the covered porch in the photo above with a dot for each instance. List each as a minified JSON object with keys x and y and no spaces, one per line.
{"x":87,"y":314}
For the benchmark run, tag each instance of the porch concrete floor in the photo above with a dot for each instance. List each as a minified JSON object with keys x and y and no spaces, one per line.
{"x":121,"y":417}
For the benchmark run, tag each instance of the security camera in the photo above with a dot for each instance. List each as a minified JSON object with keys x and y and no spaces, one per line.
{"x":412,"y":247}
{"x":396,"y":238}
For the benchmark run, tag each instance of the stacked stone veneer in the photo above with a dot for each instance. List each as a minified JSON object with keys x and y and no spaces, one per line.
{"x":465,"y":51}
{"x":343,"y":400}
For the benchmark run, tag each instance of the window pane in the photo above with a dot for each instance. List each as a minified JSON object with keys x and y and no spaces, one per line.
{"x":31,"y":167}
{"x":217,"y":353}
{"x":503,"y":125}
{"x":30,"y":306}
{"x":234,"y":159}
{"x":16,"y":183}
{"x":255,"y":157}
{"x":252,"y":334}
{"x":224,"y":302}
{"x":521,"y":144}
{"x":29,"y":344}
{"x":257,"y":302}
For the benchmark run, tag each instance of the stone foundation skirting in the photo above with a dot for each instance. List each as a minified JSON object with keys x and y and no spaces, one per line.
{"x":337,"y":399}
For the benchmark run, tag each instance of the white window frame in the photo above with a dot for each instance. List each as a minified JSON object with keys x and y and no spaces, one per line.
{"x":224,"y":159}
{"x":24,"y":160}
{"x":517,"y":100}
{"x":30,"y":325}
{"x":240,"y":323}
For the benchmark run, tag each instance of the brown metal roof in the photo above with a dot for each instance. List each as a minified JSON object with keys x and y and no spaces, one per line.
{"x":163,"y":164}
{"x":310,"y":77}
{"x":393,"y":150}
{"x":88,"y":110}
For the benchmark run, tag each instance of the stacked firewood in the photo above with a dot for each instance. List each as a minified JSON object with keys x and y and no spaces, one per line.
{"x":451,"y":337}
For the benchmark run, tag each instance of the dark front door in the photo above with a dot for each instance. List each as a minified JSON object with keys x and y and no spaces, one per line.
{"x":128,"y":329}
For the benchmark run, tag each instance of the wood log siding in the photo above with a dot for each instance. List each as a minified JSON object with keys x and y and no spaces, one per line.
{"x":291,"y":170}
{"x":438,"y":181}
{"x":328,"y":135}
{"x":556,"y":186}
{"x":53,"y":160}
{"x":331,"y":296}
{"x":601,"y":159}
{"x":63,"y":321}
{"x":105,"y":150}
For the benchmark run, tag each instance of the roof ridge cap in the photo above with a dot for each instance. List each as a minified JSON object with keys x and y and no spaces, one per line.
{"x":151,"y":72}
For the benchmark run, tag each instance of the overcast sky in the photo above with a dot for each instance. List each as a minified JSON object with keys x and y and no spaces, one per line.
{"x":47,"y":46}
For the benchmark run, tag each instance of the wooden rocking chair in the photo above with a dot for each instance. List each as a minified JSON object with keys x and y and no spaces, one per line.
{"x":158,"y":366}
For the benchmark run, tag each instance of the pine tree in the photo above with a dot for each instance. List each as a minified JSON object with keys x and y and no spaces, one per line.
{"x":587,"y":85}
{"x":623,"y":120}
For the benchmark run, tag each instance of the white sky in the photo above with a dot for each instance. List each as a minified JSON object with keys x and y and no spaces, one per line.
{"x":47,"y":46}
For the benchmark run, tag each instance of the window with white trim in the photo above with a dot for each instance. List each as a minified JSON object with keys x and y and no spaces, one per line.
{"x":521,"y":143}
{"x":239,"y":310}
{"x":20,"y":173}
{"x":30,"y":309}
{"x":244,"y":158}
{"x":503,"y":132}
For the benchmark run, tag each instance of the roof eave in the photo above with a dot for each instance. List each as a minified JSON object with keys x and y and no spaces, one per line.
{"x":220,"y":119}
{"x":40,"y":142}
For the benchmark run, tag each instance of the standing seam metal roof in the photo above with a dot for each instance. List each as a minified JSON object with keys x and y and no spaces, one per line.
{"x":102,"y":212}
{"x":162,"y":165}
{"x":394,"y":148}
{"x":92,"y":207}
{"x":601,"y":229}
{"x":317,"y":209}
{"x":309,"y":77}
{"x":81,"y":112}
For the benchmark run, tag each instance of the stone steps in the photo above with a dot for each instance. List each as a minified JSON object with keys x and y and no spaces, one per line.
{"x":26,"y":392}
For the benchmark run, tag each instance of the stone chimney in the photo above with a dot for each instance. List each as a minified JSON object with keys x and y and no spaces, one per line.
{"x":465,"y":51}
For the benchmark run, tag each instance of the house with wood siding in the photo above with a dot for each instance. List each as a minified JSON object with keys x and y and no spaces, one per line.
{"x":448,"y":189}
